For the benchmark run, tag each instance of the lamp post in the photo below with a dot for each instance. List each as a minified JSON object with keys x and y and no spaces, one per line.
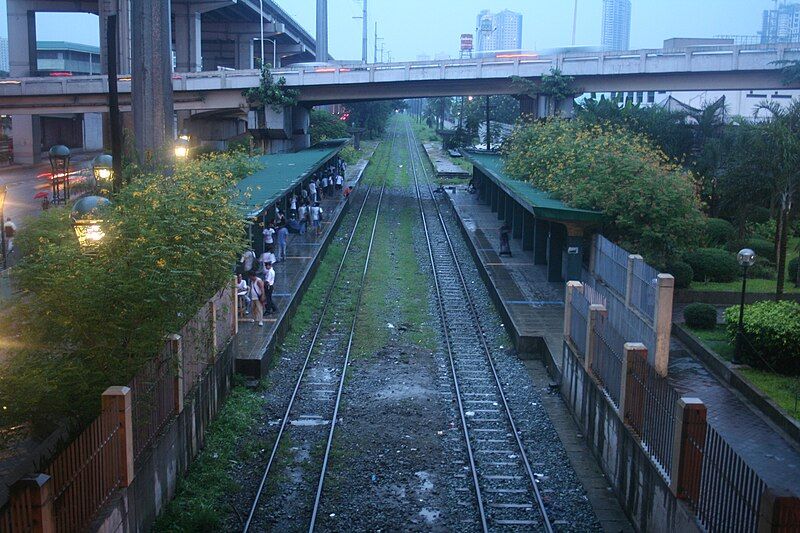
{"x":3,"y":191}
{"x":59,"y":167}
{"x":88,"y":222}
{"x":746,"y":258}
{"x":181,"y":149}
{"x":103,"y":170}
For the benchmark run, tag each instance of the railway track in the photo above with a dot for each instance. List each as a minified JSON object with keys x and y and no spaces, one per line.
{"x":314,"y":403}
{"x":504,"y":483}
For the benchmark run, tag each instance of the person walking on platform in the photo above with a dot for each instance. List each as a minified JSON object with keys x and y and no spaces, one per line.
{"x":269,"y":285}
{"x":257,"y":295}
{"x":269,"y":236}
{"x":312,"y":190}
{"x":325,"y":180}
{"x":339,"y":182}
{"x":283,"y":235}
{"x":505,"y":245}
{"x":316,"y":218}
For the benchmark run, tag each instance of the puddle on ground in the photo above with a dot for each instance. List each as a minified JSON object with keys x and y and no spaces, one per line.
{"x":430,"y":515}
{"x":310,"y":422}
{"x":425,"y":478}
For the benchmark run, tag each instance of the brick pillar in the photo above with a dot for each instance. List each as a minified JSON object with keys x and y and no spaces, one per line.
{"x":176,"y":345}
{"x":32,"y":494}
{"x":572,"y":287}
{"x":631,"y":404}
{"x":595,"y":311}
{"x":118,"y":400}
{"x":687,"y":448}
{"x":780,"y":512}
{"x":663,"y":321}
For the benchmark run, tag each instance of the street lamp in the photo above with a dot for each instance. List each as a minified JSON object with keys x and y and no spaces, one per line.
{"x":87,"y":221}
{"x":746,"y":258}
{"x":185,"y":135}
{"x":103,"y":170}
{"x":181,"y":148}
{"x":3,"y":191}
{"x":59,"y":166}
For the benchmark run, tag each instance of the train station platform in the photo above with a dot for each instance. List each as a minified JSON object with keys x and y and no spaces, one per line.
{"x":255,"y":344}
{"x":533,"y":309}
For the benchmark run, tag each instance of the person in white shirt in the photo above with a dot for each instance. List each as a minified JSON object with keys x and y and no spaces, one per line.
{"x":325,"y":184}
{"x":247,"y":260}
{"x":243,"y":293}
{"x":10,"y":229}
{"x":339,"y":182}
{"x":256,"y":296}
{"x":266,"y":257}
{"x":269,"y":233}
{"x":312,"y":190}
{"x":316,"y":218}
{"x":269,"y":285}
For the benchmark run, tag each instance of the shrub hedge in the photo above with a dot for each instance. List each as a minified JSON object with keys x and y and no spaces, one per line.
{"x":772,"y":330}
{"x":700,"y":316}
{"x":682,"y":272}
{"x":719,"y":231}
{"x":713,"y":264}
{"x":763,"y":248}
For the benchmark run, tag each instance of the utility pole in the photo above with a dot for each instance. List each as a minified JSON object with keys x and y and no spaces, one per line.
{"x":113,"y":101}
{"x":365,"y":31}
{"x":375,"y":54}
{"x":488,"y":126}
{"x":261,"y":19}
{"x":574,"y":21}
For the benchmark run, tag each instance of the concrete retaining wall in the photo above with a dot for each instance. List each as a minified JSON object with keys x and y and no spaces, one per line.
{"x":158,"y":470}
{"x":638,"y":485}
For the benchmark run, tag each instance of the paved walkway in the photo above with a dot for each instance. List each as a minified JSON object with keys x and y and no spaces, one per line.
{"x":254,"y":342}
{"x":444,"y":167}
{"x":536,"y":307}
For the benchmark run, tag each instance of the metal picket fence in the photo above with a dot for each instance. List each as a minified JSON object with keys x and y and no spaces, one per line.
{"x":607,"y":356}
{"x":644,"y":289}
{"x":611,"y":264}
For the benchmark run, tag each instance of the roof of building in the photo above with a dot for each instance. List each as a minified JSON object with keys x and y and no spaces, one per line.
{"x":64,"y":45}
{"x":540,"y":203}
{"x":280,"y":173}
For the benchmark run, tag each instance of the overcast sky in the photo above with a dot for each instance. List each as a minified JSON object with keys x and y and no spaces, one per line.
{"x":414,"y":27}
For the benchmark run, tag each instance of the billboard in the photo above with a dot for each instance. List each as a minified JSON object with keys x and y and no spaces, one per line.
{"x":466,"y":42}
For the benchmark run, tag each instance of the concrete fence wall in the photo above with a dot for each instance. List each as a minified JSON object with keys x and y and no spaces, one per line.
{"x":136,"y":507}
{"x":639,"y":486}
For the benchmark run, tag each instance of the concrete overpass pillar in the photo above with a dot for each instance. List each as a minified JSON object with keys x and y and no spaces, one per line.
{"x":21,"y":38}
{"x":26,"y":130}
{"x":122,"y":8}
{"x":92,"y":131}
{"x":244,"y":51}
{"x":188,"y":34}
{"x":153,"y":115}
{"x":301,"y":120}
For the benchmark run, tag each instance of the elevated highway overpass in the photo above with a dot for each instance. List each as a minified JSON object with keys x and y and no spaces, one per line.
{"x":723,"y":68}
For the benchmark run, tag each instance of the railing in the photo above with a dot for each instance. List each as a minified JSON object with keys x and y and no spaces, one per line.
{"x":606,"y":361}
{"x":152,"y":399}
{"x":83,"y":477}
{"x":579,"y":318}
{"x":611,"y":264}
{"x":730,"y":492}
{"x":650,"y":411}
{"x":644,"y":288}
{"x":86,"y":474}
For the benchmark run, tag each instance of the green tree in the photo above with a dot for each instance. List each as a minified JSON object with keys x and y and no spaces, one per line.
{"x":271,"y":93}
{"x":650,"y":200}
{"x":325,"y":125}
{"x":372,"y":115}
{"x":85,"y":322}
{"x":556,"y":87}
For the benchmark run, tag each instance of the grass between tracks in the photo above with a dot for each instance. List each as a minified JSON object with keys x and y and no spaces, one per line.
{"x":201,"y":500}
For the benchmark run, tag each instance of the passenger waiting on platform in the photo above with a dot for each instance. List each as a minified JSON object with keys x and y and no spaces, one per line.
{"x":347,"y":192}
{"x":283,"y":235}
{"x":257,"y":296}
{"x":316,"y":218}
{"x":269,"y":236}
{"x":269,"y":285}
{"x":247,"y":261}
{"x":243,"y":292}
{"x":325,"y":184}
{"x":505,"y":245}
{"x":266,"y":257}
{"x":303,"y":193}
{"x":302,"y":214}
{"x":339,"y":182}
{"x":293,"y":205}
{"x":297,"y":226}
{"x":312,"y":190}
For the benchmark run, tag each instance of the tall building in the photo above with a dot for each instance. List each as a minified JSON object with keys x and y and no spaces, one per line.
{"x":498,"y":31}
{"x":781,"y":25}
{"x":4,"y":65}
{"x":616,"y":31}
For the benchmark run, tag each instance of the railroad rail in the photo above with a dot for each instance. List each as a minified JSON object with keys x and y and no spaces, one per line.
{"x":505,"y":485}
{"x":316,"y":376}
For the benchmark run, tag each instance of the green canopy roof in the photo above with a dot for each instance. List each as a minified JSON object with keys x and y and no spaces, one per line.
{"x":280,"y":173}
{"x":538,"y":202}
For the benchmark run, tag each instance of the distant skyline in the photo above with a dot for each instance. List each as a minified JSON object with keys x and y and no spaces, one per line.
{"x":416,"y":27}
